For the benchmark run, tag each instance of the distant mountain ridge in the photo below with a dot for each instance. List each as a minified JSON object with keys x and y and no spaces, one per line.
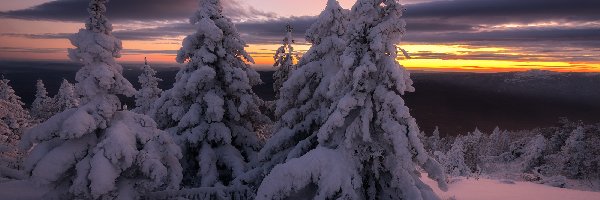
{"x":457,"y":102}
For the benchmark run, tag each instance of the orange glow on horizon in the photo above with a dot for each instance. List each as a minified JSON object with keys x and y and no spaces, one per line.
{"x":452,"y":57}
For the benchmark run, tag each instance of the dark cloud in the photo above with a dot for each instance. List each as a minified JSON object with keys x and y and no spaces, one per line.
{"x":434,"y":21}
{"x":505,"y":11}
{"x":39,"y":36}
{"x":127,"y":10}
{"x":32,"y":50}
{"x":513,"y":35}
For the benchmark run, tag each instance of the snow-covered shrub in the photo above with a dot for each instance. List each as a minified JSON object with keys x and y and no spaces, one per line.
{"x":149,"y":93}
{"x":303,"y":104}
{"x":284,"y":61}
{"x":211,"y":109}
{"x":95,"y":151}
{"x":368,"y":146}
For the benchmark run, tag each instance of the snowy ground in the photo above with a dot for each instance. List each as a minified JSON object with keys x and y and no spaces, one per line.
{"x":487,"y":189}
{"x":463,"y":189}
{"x":21,"y":190}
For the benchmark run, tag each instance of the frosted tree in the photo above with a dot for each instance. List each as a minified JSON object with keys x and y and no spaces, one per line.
{"x":284,"y":61}
{"x":14,"y":118}
{"x":66,"y":98}
{"x":527,"y":153}
{"x":95,"y":151}
{"x":303,"y":104}
{"x":573,"y":154}
{"x":368,"y":145}
{"x":434,"y":142}
{"x":149,"y":93}
{"x":7,"y":93}
{"x":474,"y":149}
{"x":211,"y":109}
{"x":42,"y":106}
{"x":497,"y":143}
{"x":13,"y":121}
{"x":454,"y":160}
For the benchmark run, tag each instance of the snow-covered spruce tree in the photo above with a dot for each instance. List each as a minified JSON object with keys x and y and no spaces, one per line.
{"x":7,"y":93}
{"x":13,"y":117}
{"x":211,"y":109}
{"x":573,"y":154}
{"x":474,"y":149}
{"x":368,"y":145}
{"x":284,"y":61}
{"x":149,"y":93}
{"x":95,"y":151}
{"x":454,"y":160}
{"x":42,"y":106}
{"x":303,"y":104}
{"x":527,"y":152}
{"x":66,"y":98}
{"x":497,"y":143}
{"x":434,"y":141}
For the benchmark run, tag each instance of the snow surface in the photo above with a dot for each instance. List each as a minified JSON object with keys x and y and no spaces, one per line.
{"x":489,"y":189}
{"x":21,"y":190}
{"x":462,"y":189}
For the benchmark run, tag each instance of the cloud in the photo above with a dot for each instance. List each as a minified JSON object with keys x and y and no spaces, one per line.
{"x":513,"y":35}
{"x":445,"y":21}
{"x":32,"y":50}
{"x":505,"y":11}
{"x":133,"y":10}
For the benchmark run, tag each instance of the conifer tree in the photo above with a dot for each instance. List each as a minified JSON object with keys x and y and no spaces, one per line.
{"x":14,"y":119}
{"x":434,"y":142}
{"x":284,"y":61}
{"x":211,"y":109}
{"x":7,"y":93}
{"x":454,"y":160}
{"x":573,"y":154}
{"x":66,"y":98}
{"x":42,"y":106}
{"x":149,"y":93}
{"x":95,"y":151}
{"x":303,"y":104}
{"x":368,"y":146}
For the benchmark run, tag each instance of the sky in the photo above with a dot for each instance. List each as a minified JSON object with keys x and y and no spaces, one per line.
{"x":457,"y":35}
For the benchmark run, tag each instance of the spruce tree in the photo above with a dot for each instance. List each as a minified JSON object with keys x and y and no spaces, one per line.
{"x":211,"y":109}
{"x":66,"y":98}
{"x":14,"y":119}
{"x":368,"y":146}
{"x":573,"y":154}
{"x":149,"y":93}
{"x":95,"y":151}
{"x":434,"y":142}
{"x":454,"y":160}
{"x":42,"y":106}
{"x":284,"y":61}
{"x":303,"y":103}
